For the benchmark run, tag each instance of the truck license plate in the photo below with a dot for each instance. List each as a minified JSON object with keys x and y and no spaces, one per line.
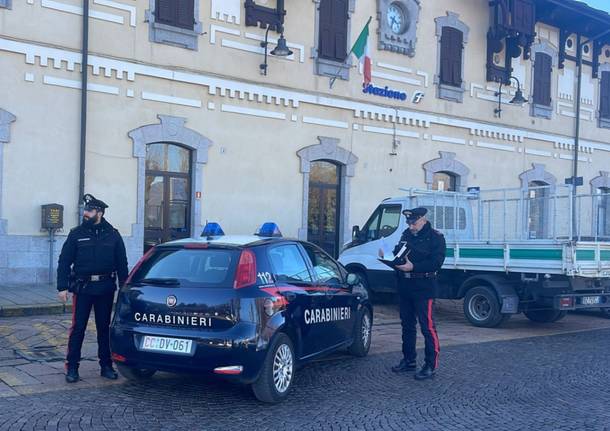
{"x":590,"y":300}
{"x":166,"y":344}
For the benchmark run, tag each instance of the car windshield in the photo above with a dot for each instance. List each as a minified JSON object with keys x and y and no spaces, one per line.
{"x":189,"y":267}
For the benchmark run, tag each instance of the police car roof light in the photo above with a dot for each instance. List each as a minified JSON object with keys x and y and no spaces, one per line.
{"x":269,"y":229}
{"x":212,"y":229}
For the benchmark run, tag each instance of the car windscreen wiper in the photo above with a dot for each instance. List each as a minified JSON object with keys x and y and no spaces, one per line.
{"x":161,"y":281}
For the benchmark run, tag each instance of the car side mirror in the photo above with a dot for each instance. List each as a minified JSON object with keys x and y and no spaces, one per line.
{"x":352,"y":280}
{"x":355,"y":232}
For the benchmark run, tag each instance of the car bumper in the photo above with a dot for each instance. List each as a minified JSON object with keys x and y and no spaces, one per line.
{"x":240,"y":346}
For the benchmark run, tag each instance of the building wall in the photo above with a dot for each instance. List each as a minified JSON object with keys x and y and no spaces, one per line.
{"x":256,"y":124}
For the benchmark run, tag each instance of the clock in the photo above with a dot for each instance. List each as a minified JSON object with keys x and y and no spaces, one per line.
{"x":397,"y":18}
{"x":398,"y":25}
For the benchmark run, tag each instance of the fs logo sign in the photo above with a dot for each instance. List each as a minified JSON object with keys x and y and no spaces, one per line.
{"x":390,"y":93}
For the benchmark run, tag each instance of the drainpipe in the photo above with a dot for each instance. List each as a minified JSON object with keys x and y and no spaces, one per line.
{"x":83,"y":107}
{"x":579,"y":45}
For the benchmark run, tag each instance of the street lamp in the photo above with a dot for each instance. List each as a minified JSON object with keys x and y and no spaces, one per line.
{"x":281,"y":50}
{"x":517,"y":100}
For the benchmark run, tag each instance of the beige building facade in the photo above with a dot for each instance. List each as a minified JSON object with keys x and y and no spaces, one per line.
{"x":183,"y":127}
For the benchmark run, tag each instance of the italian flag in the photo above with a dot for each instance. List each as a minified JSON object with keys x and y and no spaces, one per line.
{"x":361,"y":50}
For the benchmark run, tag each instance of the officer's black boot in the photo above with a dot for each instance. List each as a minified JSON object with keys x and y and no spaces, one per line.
{"x":72,"y":375}
{"x":427,"y":372}
{"x":404,"y":366}
{"x":108,"y":372}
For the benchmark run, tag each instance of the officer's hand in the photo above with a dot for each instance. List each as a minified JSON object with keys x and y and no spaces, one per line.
{"x":63,"y":296}
{"x":407,"y":267}
{"x":381,"y":254}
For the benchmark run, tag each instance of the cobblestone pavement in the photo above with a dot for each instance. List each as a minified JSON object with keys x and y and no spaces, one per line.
{"x":546,"y":382}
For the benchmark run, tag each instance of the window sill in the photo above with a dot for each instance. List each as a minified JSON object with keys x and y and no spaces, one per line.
{"x":604,"y":123}
{"x":542,"y":111}
{"x":332,"y":68}
{"x":451,"y":93}
{"x":175,"y":36}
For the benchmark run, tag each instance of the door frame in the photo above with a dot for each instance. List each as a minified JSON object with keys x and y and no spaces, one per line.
{"x":323,"y":187}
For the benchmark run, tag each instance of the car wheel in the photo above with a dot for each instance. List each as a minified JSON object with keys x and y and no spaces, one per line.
{"x":545,"y":316}
{"x":482,"y":308}
{"x":277,"y":373}
{"x":362,"y":337}
{"x":135,"y":374}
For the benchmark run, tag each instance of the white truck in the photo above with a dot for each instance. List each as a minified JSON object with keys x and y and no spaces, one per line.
{"x":541,"y":251}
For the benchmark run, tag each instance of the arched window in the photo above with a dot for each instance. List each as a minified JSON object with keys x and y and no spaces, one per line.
{"x":538,"y":201}
{"x":603,"y":211}
{"x":444,"y":181}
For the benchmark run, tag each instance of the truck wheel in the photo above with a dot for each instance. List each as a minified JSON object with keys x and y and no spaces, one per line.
{"x":545,"y":316}
{"x":135,"y":374}
{"x":362,"y":336}
{"x":277,"y":374}
{"x":482,"y":308}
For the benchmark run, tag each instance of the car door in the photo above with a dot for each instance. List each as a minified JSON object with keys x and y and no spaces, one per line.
{"x":339,"y":310}
{"x":295,"y":282}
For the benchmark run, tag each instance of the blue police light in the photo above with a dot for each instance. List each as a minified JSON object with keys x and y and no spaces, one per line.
{"x":269,"y":229}
{"x":212,"y":229}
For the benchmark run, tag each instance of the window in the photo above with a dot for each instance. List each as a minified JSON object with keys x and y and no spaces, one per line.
{"x":603,"y":212}
{"x":444,"y":181}
{"x":324,"y":267}
{"x":604,"y":103}
{"x":382,"y":223}
{"x":5,"y":3}
{"x":174,"y":22}
{"x":538,"y":200}
{"x":451,"y":57}
{"x":543,"y":70}
{"x":177,"y":13}
{"x":288,"y":264}
{"x":331,"y":37}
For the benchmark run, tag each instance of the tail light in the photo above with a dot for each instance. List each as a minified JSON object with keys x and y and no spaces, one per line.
{"x":246,"y":270}
{"x":139,"y":264}
{"x":118,"y":358}
{"x":566,"y":302}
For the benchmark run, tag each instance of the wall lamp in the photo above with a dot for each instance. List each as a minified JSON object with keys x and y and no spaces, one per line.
{"x":517,"y":100}
{"x":281,"y":49}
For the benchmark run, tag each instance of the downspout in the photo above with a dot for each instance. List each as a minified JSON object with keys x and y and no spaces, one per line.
{"x":576,"y":138}
{"x":83,"y":107}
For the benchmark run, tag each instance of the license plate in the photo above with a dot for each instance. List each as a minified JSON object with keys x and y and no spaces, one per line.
{"x":590,"y":300}
{"x":166,"y":344}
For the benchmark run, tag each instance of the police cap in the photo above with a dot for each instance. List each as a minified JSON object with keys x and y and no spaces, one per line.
{"x":91,"y":203}
{"x":414,"y":214}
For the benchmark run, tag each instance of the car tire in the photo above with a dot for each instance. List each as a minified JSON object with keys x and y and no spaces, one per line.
{"x":482,"y":308}
{"x":363,"y":334}
{"x":277,"y":374}
{"x":545,"y":315}
{"x":135,"y":374}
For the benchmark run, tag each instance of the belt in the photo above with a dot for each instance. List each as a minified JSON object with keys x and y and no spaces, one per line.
{"x":96,"y":277}
{"x":419,"y":274}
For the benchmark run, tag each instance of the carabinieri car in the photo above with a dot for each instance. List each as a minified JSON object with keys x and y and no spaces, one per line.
{"x":249,"y":308}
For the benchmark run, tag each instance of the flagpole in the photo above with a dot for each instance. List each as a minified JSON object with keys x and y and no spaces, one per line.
{"x":334,"y":78}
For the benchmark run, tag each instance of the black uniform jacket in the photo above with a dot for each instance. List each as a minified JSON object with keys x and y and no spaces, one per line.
{"x":427,"y":253}
{"x":95,"y":250}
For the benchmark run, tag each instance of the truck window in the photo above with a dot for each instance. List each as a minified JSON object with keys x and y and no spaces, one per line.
{"x":382,"y":223}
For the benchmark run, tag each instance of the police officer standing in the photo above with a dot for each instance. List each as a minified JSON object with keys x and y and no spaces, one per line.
{"x":91,"y":260}
{"x":423,"y":257}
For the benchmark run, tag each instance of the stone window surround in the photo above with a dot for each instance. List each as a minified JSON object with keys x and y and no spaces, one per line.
{"x":448,"y":92}
{"x":601,"y":181}
{"x":6,"y":118}
{"x":170,"y":130}
{"x":603,"y":123}
{"x":6,"y":4}
{"x":540,"y":174}
{"x":545,"y":47}
{"x":447,"y":163}
{"x":170,"y":35}
{"x":329,"y":150}
{"x":325,"y":67}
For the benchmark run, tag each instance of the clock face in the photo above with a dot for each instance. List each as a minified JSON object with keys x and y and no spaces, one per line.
{"x":397,"y":21}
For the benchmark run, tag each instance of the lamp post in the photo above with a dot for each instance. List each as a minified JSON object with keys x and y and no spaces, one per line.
{"x":517,"y":100}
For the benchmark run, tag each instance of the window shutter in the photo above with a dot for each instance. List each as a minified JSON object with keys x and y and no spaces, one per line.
{"x":166,"y":12}
{"x":542,"y":79}
{"x":523,"y":16}
{"x":604,"y":107}
{"x":451,"y":56}
{"x":333,"y":29}
{"x":186,"y":13}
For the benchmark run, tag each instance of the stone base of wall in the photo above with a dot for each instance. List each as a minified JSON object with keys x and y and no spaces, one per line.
{"x":25,"y":259}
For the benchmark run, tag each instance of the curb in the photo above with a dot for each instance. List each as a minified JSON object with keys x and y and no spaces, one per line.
{"x":35,"y":310}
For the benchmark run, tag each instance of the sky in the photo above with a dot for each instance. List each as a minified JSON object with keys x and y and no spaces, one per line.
{"x":599,"y":4}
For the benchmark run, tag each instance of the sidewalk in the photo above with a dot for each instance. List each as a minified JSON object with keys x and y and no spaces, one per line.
{"x":30,"y":300}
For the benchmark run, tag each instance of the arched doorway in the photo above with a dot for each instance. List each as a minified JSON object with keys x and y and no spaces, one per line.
{"x":167,"y":203}
{"x":537,"y":199}
{"x":444,"y":181}
{"x":603,"y":212}
{"x":324,"y":204}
